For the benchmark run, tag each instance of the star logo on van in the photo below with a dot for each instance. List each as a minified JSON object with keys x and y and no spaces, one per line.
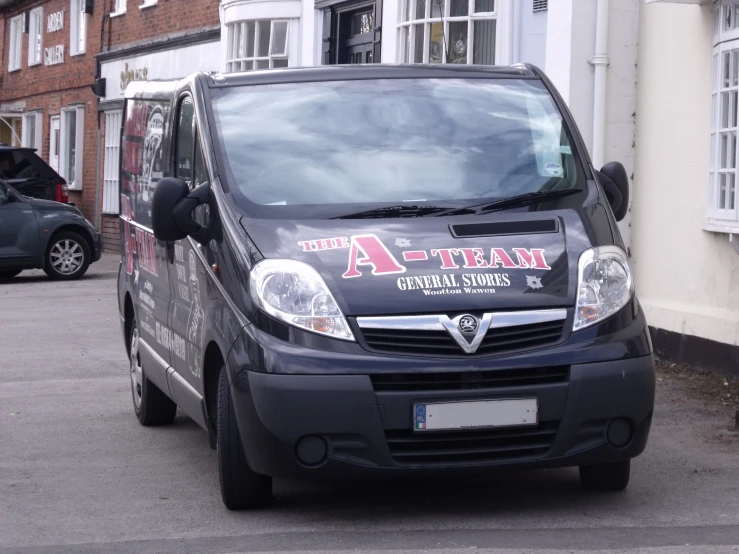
{"x":403,"y":243}
{"x":534,"y":282}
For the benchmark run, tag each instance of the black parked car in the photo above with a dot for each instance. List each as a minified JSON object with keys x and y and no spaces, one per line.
{"x":25,"y":171}
{"x":37,"y":233}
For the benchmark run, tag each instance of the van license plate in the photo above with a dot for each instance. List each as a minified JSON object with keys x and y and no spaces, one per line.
{"x":475,"y":414}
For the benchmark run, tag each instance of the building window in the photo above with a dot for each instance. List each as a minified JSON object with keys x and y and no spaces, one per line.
{"x":31,"y":133}
{"x":112,"y":159}
{"x":119,"y":7}
{"x":147,"y":4}
{"x":35,"y":36}
{"x":16,"y":44}
{"x":448,"y":31}
{"x":540,"y":5}
{"x":78,"y":27}
{"x":70,"y":155}
{"x":257,"y":45}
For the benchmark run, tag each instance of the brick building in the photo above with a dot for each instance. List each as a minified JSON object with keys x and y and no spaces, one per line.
{"x":54,"y":51}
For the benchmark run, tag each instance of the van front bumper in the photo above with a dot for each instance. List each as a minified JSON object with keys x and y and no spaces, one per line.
{"x":367,"y":432}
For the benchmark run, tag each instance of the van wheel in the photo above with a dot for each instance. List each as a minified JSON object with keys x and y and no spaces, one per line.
{"x":605,"y":477}
{"x":151,"y":405}
{"x":241,"y":488}
{"x":9,"y":274}
{"x":68,"y":256}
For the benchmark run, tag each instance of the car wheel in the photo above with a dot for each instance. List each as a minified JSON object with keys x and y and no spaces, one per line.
{"x":151,"y":405}
{"x":605,"y":477}
{"x":9,"y":274}
{"x":68,"y":256}
{"x":241,"y":488}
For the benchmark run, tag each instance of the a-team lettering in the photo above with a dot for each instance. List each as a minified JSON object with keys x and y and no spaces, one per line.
{"x":171,"y":341}
{"x":368,"y":254}
{"x":147,"y":251}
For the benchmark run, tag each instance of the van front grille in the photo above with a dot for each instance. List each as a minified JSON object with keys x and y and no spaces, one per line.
{"x":440,"y":343}
{"x":487,"y":445}
{"x":469,"y":380}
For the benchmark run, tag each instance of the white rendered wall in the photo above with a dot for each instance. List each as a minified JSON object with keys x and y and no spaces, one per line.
{"x":687,"y":279}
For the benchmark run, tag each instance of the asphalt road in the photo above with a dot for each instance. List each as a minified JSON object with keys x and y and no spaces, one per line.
{"x":79,"y":474}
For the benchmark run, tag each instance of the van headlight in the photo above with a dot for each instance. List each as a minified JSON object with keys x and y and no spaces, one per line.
{"x":604,"y":285}
{"x":296,"y":294}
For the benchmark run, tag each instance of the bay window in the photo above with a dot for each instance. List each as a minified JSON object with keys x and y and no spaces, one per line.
{"x":448,"y":31}
{"x":261,"y":44}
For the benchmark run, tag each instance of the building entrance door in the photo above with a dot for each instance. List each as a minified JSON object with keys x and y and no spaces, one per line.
{"x":351,"y":32}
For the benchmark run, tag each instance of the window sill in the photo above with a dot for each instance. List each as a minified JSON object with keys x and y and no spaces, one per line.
{"x":74,"y":54}
{"x":34,"y":64}
{"x":727,"y":228}
{"x":11,"y":70}
{"x":117,"y":14}
{"x":144,"y":6}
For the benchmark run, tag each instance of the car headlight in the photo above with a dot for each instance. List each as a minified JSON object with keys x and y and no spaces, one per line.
{"x":604,"y":285}
{"x":296,"y":294}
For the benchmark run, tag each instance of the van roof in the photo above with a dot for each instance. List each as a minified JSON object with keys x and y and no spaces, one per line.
{"x":342,"y":72}
{"x":370,"y":71}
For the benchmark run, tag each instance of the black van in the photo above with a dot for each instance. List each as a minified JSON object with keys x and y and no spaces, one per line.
{"x":379,"y":271}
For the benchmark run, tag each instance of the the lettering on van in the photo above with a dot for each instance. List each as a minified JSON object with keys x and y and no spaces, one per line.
{"x":145,"y":297}
{"x":369,"y":252}
{"x":450,"y":283}
{"x":171,"y":341}
{"x":146,"y":248}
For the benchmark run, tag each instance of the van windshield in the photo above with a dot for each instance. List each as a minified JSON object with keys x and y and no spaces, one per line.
{"x":322,"y":149}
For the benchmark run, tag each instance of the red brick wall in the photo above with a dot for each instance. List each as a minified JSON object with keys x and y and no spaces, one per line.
{"x":167,"y":17}
{"x":111,"y":233}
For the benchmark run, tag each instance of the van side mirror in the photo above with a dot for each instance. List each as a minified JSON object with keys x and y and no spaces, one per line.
{"x":172,"y":206}
{"x":616,"y":186}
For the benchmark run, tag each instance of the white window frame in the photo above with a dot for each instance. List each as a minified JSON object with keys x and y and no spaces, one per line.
{"x":147,"y":4}
{"x":111,"y":189}
{"x":79,"y":112}
{"x":28,"y":139}
{"x":119,"y":8}
{"x":16,"y":43}
{"x":77,"y":28}
{"x":236,"y":63}
{"x":407,"y":30}
{"x":36,"y":35}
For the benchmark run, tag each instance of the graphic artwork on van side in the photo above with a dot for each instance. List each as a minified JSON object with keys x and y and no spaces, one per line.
{"x":195,"y":321}
{"x":368,"y":252}
{"x":152,"y":147}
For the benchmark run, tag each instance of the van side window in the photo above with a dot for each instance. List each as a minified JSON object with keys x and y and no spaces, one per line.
{"x":185,"y":141}
{"x":201,"y":213}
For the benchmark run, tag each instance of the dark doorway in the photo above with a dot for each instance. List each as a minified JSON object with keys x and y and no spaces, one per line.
{"x":351,"y":33}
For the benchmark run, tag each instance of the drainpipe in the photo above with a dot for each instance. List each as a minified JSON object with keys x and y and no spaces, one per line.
{"x":510,"y":11}
{"x":600,"y":61}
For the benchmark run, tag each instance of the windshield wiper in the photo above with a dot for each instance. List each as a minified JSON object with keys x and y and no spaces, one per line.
{"x":512,"y":202}
{"x":394,"y":211}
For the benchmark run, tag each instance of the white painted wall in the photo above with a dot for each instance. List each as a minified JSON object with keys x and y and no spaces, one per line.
{"x":531,"y":34}
{"x":570,"y":45}
{"x":687,"y":279}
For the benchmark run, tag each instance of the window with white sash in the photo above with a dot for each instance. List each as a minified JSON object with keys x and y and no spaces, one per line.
{"x":77,"y":27}
{"x":112,"y":155}
{"x":71,"y":147}
{"x":119,"y":7}
{"x":16,"y":43}
{"x":31,"y":133}
{"x":723,"y":199}
{"x":257,"y":45}
{"x":35,"y":36}
{"x":449,"y":31}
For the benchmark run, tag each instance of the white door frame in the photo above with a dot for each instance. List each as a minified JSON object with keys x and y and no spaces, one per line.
{"x":55,"y":128}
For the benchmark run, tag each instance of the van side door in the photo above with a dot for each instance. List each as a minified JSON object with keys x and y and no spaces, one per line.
{"x":143,"y":157}
{"x":187,"y":273}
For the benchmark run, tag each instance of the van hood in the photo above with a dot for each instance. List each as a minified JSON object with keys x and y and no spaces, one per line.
{"x":431,"y":265}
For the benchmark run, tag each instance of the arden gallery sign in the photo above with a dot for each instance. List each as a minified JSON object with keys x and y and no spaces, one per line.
{"x":54,"y":55}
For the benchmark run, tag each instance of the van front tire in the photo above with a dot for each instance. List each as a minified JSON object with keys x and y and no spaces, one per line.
{"x":241,"y":488}
{"x":611,"y":477}
{"x":151,"y":405}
